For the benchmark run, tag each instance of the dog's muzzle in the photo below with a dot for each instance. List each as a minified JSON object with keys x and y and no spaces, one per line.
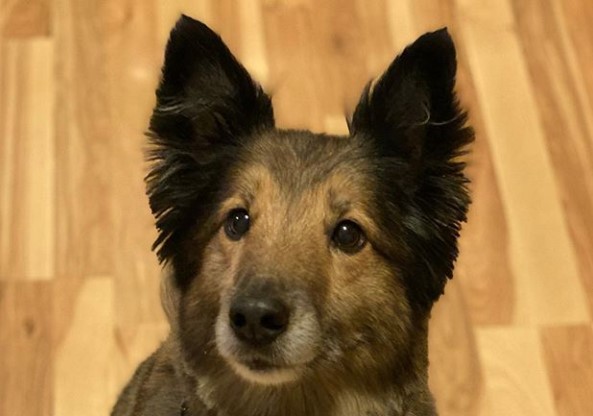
{"x":266,"y":331}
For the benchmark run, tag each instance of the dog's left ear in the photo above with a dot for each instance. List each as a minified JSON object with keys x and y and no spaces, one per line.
{"x":411,"y":110}
{"x":413,"y":118}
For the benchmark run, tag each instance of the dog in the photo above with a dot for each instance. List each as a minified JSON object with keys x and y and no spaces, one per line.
{"x":301,"y":267}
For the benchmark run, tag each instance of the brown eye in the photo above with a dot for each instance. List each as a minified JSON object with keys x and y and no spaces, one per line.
{"x":237,"y":224}
{"x":348,"y":236}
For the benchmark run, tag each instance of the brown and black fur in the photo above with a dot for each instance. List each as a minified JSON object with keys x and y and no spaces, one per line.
{"x":356,"y":343}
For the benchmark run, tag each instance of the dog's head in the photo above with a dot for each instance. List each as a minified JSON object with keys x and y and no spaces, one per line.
{"x":298,"y":254}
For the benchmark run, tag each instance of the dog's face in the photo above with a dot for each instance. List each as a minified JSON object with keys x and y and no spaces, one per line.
{"x":295,"y":272}
{"x":297,"y":254}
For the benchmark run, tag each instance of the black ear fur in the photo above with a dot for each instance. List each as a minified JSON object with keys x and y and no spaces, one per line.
{"x":412,"y":116}
{"x":414,"y":99}
{"x":206,"y":103}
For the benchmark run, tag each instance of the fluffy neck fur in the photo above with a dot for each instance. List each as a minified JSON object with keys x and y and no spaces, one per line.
{"x":228,"y":395}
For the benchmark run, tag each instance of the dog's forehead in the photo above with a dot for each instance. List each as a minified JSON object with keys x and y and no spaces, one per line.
{"x":301,"y":160}
{"x":303,"y":173}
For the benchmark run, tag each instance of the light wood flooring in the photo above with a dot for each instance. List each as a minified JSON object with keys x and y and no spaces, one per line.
{"x":79,"y":307}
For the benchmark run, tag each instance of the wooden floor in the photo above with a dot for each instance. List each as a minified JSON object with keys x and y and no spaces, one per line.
{"x":79,"y":300}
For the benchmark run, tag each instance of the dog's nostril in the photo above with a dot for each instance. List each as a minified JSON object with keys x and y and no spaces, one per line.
{"x":275,"y":321}
{"x":238,"y":319}
{"x":258,"y":321}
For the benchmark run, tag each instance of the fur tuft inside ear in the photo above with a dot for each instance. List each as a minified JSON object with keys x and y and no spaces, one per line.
{"x":413,"y":117}
{"x":206,"y":104}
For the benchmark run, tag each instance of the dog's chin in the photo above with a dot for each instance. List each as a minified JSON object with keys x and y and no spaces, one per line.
{"x":264,"y":373}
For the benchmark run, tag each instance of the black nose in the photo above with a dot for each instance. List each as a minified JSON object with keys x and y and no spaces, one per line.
{"x":258,"y":321}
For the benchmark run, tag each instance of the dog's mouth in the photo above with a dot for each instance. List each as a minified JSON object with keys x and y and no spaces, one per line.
{"x":261,"y":371}
{"x":262,"y":366}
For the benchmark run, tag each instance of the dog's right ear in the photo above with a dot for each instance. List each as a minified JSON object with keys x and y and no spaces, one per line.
{"x":206,"y":103}
{"x":205,"y":93}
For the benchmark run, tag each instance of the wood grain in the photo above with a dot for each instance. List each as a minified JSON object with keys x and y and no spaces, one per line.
{"x":568,"y":352}
{"x":25,"y":18}
{"x":83,"y":127}
{"x":456,"y":372}
{"x":27,"y":160}
{"x":562,"y":115}
{"x":132,"y":71}
{"x":517,"y":382}
{"x":26,"y":359}
{"x":542,"y":249}
{"x":79,"y":298}
{"x":84,"y":361}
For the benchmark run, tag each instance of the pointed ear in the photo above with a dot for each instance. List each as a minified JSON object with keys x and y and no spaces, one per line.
{"x":411,"y":111}
{"x":206,"y":104}
{"x":205,"y":93}
{"x":413,"y":120}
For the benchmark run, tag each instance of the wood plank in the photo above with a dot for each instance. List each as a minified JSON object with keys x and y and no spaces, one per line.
{"x":564,"y":120}
{"x":253,"y":46}
{"x":85,"y":372}
{"x":336,"y":64}
{"x":25,"y":18}
{"x":335,"y":124}
{"x":25,"y":349}
{"x":484,"y":268}
{"x":401,"y":22}
{"x":568,"y":353}
{"x":541,"y":249}
{"x":566,"y":117}
{"x":575,"y":17}
{"x":455,"y":373}
{"x":27,"y":160}
{"x":353,"y":60}
{"x":290,"y":43}
{"x":429,"y":16}
{"x":84,"y":134}
{"x":515,"y":374}
{"x":378,"y":40}
{"x":133,"y":68}
{"x":343,"y":54}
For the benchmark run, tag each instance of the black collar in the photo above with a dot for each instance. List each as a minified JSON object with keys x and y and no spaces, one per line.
{"x":183,"y":410}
